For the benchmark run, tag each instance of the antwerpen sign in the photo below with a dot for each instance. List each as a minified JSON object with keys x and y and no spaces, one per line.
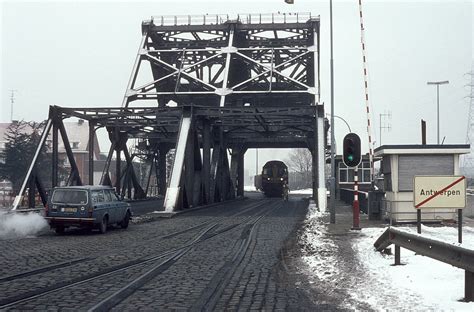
{"x":439,"y":191}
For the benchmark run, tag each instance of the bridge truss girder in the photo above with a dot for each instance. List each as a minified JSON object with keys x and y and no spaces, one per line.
{"x":240,"y":84}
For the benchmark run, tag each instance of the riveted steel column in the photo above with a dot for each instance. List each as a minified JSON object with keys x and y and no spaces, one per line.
{"x":136,"y":68}
{"x":161,"y":178}
{"x":206,"y":159}
{"x":75,"y":176}
{"x":91,"y":152}
{"x":189,"y":167}
{"x":227,"y":64}
{"x":234,"y":166}
{"x":240,"y":173}
{"x":105,"y":172}
{"x":32,"y":189}
{"x":55,"y":160}
{"x":117,"y":169}
{"x":220,"y":170}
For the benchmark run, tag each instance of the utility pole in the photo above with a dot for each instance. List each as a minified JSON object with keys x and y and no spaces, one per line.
{"x":332,"y":191}
{"x":12,"y":100}
{"x":437,"y":83}
{"x":384,"y":126}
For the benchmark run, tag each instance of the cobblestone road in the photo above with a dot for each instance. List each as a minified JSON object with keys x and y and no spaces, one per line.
{"x":226,"y":257}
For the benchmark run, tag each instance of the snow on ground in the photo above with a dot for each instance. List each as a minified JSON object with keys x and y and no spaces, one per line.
{"x":303,"y":191}
{"x":420,"y":284}
{"x":249,"y":188}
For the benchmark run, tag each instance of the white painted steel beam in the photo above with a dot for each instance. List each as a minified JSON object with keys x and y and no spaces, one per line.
{"x":229,"y":52}
{"x":172,"y":193}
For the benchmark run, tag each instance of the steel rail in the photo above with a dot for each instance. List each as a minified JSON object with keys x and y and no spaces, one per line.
{"x":25,"y":297}
{"x":126,"y":291}
{"x":54,"y":266}
{"x":210,"y":296}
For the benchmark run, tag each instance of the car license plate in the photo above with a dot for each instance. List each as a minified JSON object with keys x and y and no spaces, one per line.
{"x":69,"y":209}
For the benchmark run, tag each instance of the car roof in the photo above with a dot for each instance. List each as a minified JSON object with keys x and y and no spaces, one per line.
{"x":84,"y":187}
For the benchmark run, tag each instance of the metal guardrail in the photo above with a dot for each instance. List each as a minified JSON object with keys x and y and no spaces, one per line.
{"x":216,"y":19}
{"x":456,"y":256}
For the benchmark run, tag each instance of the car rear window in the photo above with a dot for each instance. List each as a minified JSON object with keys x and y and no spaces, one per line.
{"x":97,"y":196}
{"x":69,"y":197}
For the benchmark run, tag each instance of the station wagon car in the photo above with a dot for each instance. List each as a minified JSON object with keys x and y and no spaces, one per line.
{"x":86,"y":207}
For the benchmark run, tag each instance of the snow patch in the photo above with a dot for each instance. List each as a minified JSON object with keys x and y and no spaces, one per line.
{"x":420,"y":284}
{"x":321,"y":251}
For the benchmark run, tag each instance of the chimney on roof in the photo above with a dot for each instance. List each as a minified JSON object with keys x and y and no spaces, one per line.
{"x":80,"y":122}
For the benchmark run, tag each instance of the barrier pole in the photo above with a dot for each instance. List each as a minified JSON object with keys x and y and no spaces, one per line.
{"x":355,"y":203}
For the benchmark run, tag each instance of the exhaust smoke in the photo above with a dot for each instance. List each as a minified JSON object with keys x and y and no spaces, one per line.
{"x":17,"y":225}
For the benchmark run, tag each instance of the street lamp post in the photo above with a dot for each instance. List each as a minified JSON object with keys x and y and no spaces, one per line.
{"x":437,"y":83}
{"x":332,"y":187}
{"x":332,"y":191}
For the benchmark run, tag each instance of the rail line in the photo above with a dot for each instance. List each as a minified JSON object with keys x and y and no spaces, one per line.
{"x":171,"y":257}
{"x":210,"y":296}
{"x":52,"y":267}
{"x":142,"y":280}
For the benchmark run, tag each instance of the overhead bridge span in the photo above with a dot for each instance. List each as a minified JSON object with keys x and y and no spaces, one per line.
{"x":204,"y":86}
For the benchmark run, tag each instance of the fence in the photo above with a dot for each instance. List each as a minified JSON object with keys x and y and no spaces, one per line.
{"x":216,"y":19}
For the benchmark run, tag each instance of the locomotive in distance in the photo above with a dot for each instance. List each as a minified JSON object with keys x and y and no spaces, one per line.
{"x":273,"y":178}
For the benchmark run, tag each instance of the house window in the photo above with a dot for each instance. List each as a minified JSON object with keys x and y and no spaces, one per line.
{"x":346,"y":175}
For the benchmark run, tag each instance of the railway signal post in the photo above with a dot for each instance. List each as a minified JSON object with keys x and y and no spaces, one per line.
{"x":351,"y":158}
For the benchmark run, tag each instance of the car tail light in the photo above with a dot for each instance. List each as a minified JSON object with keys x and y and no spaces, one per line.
{"x":90,"y":210}
{"x":46,"y":209}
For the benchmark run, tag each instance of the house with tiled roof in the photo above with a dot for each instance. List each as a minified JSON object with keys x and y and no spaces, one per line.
{"x":78,"y":135}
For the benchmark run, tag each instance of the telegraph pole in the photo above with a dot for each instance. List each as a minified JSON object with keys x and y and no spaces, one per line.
{"x":332,"y":191}
{"x":12,"y":100}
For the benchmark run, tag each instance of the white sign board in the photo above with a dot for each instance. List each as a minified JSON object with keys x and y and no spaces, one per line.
{"x":439,"y":191}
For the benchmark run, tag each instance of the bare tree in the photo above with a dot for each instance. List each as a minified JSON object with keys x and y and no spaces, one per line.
{"x":300,"y":160}
{"x":300,"y":164}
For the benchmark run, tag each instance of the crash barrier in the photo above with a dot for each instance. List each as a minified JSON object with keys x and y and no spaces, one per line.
{"x":456,"y":256}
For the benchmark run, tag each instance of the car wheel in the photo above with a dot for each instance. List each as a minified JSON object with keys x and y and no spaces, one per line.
{"x":59,"y":230}
{"x":126,"y":220}
{"x":103,"y":225}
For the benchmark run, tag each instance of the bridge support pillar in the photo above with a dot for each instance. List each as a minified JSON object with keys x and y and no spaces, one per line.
{"x":237,"y":170}
{"x":161,"y":171}
{"x":206,"y":160}
{"x":321,"y":159}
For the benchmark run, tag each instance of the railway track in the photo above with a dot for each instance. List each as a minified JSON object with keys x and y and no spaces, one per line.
{"x":147,"y":267}
{"x":71,"y":262}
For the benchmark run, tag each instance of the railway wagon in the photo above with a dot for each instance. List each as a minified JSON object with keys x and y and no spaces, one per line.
{"x":274,"y":176}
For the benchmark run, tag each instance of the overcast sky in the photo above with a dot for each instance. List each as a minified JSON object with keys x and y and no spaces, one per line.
{"x":77,"y":53}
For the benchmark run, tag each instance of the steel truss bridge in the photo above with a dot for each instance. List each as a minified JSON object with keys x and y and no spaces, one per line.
{"x":206,"y":85}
